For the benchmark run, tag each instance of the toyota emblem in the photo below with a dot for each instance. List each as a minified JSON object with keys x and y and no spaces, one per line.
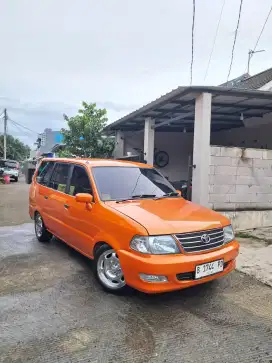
{"x":205,"y":238}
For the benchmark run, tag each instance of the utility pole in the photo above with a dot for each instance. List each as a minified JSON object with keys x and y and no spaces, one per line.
{"x":5,"y":133}
{"x":250,"y":55}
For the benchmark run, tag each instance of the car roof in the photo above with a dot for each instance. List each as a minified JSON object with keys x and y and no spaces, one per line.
{"x":14,"y":161}
{"x":99,"y":162}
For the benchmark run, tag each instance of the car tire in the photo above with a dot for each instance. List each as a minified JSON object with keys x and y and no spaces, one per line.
{"x":110,"y":277}
{"x":16,"y":179}
{"x":41,"y":232}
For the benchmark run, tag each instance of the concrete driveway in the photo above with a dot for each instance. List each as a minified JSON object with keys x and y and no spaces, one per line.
{"x":53,"y":310}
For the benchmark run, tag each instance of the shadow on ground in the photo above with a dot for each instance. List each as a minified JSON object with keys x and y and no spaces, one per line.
{"x":53,"y":310}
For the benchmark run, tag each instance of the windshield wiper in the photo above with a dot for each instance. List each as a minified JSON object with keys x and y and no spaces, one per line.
{"x":137,"y":197}
{"x":167,"y":195}
{"x":143,"y":196}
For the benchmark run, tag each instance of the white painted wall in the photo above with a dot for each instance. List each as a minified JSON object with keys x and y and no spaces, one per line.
{"x":240,"y":178}
{"x":178,"y":145}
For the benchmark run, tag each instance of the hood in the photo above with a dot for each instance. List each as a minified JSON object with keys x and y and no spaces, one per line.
{"x":8,"y":171}
{"x":169,"y":216}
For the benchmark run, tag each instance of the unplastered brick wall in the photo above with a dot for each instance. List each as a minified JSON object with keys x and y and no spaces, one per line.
{"x":240,"y":179}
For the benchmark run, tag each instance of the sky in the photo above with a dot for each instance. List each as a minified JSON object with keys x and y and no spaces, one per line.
{"x":120,"y":54}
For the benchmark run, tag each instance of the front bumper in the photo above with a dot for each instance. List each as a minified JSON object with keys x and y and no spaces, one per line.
{"x":134,"y":263}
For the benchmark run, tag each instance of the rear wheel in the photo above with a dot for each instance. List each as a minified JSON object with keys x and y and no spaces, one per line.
{"x":42,"y":233}
{"x":108,"y":269}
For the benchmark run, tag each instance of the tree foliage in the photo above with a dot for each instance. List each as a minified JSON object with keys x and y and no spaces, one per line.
{"x":16,"y":150}
{"x":84,"y":136}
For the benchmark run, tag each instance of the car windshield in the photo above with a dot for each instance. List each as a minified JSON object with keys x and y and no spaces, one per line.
{"x":122,"y":183}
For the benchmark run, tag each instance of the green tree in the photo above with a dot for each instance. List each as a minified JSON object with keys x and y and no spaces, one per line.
{"x":16,"y":150}
{"x":84,"y":136}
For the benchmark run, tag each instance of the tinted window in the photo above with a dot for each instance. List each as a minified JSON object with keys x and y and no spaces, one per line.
{"x":59,"y":177}
{"x":115,"y":183}
{"x":44,"y":172}
{"x":80,"y":182}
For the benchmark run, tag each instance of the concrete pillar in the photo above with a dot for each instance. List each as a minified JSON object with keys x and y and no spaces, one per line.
{"x":201,"y":156}
{"x":149,"y":136}
{"x":119,"y":148}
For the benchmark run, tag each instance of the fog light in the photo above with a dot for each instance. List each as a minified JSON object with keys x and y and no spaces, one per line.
{"x":153,"y":278}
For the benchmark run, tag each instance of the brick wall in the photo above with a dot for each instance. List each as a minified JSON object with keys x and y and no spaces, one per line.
{"x":240,"y":178}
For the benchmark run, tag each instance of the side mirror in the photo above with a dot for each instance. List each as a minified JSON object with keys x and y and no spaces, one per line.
{"x":179,"y":192}
{"x":85,"y":198}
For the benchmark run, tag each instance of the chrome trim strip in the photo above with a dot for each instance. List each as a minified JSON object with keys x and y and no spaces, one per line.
{"x":191,"y":242}
{"x":198,"y":241}
{"x":208,"y":244}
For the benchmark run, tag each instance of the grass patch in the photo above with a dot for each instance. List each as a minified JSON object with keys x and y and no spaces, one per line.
{"x":244,"y":235}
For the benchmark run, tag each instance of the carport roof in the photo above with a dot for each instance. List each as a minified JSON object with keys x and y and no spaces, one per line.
{"x":175,"y":110}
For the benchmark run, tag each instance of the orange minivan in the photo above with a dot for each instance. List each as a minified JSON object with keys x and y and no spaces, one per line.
{"x":132,"y":222}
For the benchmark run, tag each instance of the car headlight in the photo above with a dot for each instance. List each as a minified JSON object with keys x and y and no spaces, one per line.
{"x":156,"y":245}
{"x":228,"y":234}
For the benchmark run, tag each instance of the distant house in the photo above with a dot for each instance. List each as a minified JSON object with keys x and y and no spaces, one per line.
{"x":47,"y":140}
{"x":260,"y":81}
{"x":236,"y":81}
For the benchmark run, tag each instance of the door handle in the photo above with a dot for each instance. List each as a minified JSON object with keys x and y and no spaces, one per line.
{"x":66,"y":206}
{"x":45,"y":197}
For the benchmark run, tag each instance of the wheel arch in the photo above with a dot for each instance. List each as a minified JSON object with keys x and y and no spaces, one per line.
{"x":99,"y":244}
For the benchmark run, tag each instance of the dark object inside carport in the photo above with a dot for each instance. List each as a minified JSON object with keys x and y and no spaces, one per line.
{"x":161,"y":159}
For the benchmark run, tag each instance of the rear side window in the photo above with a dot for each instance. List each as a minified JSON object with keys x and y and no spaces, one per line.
{"x":59,"y":177}
{"x":80,"y":182}
{"x":44,"y":172}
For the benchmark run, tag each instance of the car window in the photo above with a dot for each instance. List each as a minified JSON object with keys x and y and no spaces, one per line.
{"x":80,"y":182}
{"x":44,"y":172}
{"x":114,"y":183}
{"x":59,"y":177}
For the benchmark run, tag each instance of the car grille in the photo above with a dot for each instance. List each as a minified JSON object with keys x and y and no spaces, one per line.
{"x":202,"y":240}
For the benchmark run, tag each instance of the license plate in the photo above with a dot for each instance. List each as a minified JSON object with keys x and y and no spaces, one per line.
{"x":210,"y":268}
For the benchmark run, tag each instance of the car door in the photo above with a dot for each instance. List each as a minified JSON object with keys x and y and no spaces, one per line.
{"x":56,"y":199}
{"x":43,"y":192}
{"x":80,"y":221}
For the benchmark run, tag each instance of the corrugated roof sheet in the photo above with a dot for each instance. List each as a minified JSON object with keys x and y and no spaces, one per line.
{"x":176,"y":108}
{"x":234,"y":82}
{"x":255,"y":82}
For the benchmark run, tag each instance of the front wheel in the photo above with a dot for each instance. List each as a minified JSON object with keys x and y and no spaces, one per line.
{"x":108,"y":269}
{"x":16,"y":179}
{"x":42,"y":233}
